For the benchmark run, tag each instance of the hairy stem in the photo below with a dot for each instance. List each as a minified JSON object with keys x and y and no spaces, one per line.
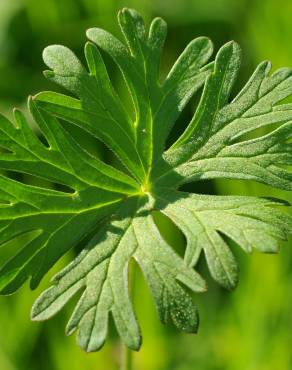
{"x":127,"y":354}
{"x":127,"y":359}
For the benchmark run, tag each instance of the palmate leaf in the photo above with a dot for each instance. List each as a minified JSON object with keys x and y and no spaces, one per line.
{"x":109,"y":213}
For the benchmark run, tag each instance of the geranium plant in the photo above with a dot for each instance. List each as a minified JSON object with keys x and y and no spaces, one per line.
{"x":109,"y":211}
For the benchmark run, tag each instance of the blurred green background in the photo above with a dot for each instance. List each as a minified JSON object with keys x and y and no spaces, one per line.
{"x":249,"y":329}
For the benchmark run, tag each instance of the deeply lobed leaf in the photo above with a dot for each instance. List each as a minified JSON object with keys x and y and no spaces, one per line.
{"x":107,"y":212}
{"x":211,"y":146}
{"x":102,"y":268}
{"x":204,"y":219}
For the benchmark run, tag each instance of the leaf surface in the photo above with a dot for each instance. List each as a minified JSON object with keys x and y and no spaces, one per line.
{"x":109,"y":212}
{"x":214,"y":146}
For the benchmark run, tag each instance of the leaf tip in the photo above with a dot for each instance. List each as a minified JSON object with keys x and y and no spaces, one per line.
{"x":34,"y":314}
{"x":91,"y":31}
{"x":16,"y":113}
{"x":232,"y":47}
{"x":49,"y":74}
{"x":135,"y":346}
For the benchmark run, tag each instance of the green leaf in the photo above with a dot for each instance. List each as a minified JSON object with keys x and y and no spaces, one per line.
{"x":214,"y":146}
{"x":249,"y":222}
{"x":101,"y":270}
{"x":110,"y":213}
{"x":157,"y":105}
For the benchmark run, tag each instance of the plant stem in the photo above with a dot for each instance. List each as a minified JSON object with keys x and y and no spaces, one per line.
{"x":127,"y":359}
{"x":127,"y":354}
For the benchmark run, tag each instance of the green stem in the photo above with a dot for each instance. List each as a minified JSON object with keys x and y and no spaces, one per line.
{"x":127,"y":359}
{"x":127,"y":354}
